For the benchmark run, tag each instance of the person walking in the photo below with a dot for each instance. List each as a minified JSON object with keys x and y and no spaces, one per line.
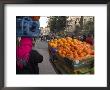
{"x":27,"y":59}
{"x":90,"y":39}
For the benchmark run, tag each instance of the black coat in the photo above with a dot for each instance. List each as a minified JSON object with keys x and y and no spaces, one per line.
{"x":32,"y":66}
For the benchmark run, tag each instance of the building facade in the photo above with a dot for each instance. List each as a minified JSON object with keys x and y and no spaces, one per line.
{"x":73,"y":21}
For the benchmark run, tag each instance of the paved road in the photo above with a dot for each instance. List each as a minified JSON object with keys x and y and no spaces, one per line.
{"x":45,"y":67}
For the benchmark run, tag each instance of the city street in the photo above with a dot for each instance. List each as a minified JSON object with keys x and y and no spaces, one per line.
{"x":45,"y":67}
{"x":66,"y":35}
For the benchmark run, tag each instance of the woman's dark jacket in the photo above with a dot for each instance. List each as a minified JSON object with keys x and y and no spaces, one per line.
{"x":32,"y":66}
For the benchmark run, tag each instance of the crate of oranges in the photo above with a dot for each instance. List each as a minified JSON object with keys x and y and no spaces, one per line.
{"x":74,"y":52}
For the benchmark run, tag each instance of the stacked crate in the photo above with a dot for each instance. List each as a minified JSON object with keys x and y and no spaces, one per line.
{"x":67,"y":66}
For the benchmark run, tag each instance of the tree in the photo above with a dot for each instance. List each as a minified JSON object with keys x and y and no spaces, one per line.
{"x":57,"y":23}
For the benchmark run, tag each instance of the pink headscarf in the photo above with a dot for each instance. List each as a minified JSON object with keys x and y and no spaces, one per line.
{"x":23,"y":50}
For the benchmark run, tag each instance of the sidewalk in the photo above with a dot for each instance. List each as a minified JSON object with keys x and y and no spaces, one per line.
{"x":45,"y":67}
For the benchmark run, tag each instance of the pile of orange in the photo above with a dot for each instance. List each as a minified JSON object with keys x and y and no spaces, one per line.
{"x":72,"y":48}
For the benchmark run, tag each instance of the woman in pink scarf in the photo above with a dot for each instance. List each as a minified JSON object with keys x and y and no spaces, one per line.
{"x":26,"y":57}
{"x":23,"y":51}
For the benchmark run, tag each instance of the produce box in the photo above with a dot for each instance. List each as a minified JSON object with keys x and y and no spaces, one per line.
{"x":63,"y":68}
{"x":89,"y":62}
{"x":77,"y":64}
{"x":73,"y":53}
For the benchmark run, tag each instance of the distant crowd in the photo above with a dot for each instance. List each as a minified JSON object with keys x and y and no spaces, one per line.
{"x":88,"y":38}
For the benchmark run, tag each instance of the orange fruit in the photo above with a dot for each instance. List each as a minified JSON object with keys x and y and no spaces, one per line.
{"x":69,"y":38}
{"x":64,"y":52}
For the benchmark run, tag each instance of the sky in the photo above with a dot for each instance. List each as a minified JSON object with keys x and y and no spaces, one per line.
{"x":43,"y":20}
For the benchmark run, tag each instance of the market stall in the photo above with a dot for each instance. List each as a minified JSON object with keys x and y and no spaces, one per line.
{"x":71,"y":56}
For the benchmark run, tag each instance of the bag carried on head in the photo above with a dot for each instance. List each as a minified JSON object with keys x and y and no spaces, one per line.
{"x":26,"y":26}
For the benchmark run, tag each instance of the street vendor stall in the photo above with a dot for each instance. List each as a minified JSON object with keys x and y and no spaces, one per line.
{"x":71,"y":56}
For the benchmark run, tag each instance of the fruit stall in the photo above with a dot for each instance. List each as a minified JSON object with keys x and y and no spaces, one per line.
{"x":71,"y":56}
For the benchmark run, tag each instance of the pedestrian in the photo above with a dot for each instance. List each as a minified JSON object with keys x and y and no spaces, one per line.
{"x":34,"y":41}
{"x":90,"y":39}
{"x":84,"y":37}
{"x":42,"y":38}
{"x":27,"y":59}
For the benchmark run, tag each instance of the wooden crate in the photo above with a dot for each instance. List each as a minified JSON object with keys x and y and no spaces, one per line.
{"x":66,"y":66}
{"x":62,"y":68}
{"x":89,"y":62}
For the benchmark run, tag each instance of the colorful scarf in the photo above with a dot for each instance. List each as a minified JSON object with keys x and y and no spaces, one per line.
{"x":23,"y":51}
